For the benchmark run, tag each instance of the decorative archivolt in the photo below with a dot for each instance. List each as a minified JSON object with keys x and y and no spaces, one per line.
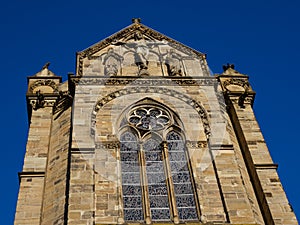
{"x":133,"y":90}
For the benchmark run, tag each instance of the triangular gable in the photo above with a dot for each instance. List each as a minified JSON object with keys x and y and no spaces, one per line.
{"x":128,"y":39}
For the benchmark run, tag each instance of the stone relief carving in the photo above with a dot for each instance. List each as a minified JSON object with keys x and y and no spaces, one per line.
{"x":40,"y":101}
{"x":43,"y":82}
{"x":173,"y":63}
{"x":141,"y":39}
{"x":141,"y":46}
{"x":107,"y":145}
{"x":111,"y":63}
{"x":243,"y":99}
{"x":240,"y":82}
{"x":138,"y":82}
{"x":196,"y":144}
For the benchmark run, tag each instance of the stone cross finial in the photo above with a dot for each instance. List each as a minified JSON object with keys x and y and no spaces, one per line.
{"x":136,"y":20}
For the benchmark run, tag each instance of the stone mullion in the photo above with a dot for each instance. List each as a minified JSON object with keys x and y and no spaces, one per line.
{"x":144,"y":184}
{"x":120,"y":188}
{"x":170,"y":184}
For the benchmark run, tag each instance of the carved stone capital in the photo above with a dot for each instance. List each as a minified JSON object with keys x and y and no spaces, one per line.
{"x":40,"y":100}
{"x":196,"y":144}
{"x":107,"y":145}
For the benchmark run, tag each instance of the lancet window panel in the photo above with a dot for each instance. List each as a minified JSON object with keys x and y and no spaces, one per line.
{"x":159,"y":202}
{"x":131,"y":183}
{"x":181,"y":177}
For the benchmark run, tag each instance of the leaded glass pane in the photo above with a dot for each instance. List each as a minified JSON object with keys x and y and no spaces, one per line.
{"x":176,"y":146}
{"x":185,"y":188}
{"x":156,"y":178}
{"x":131,"y":190}
{"x":154,"y":167}
{"x":185,"y":201}
{"x":133,"y":214}
{"x":129,"y":166}
{"x":160,"y":214}
{"x":128,"y":137}
{"x":153,"y":156}
{"x":173,"y":136}
{"x":181,"y":178}
{"x":178,"y":166}
{"x":151,"y":145}
{"x":131,"y":182}
{"x":187,"y":213}
{"x":130,"y":178}
{"x":159,"y":201}
{"x":132,"y":202}
{"x":129,"y":156}
{"x":157,"y":188}
{"x":177,"y":156}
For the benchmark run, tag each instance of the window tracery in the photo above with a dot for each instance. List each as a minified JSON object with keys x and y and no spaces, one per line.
{"x":149,"y":118}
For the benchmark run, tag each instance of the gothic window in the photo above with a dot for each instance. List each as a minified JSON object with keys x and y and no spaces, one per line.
{"x":156,"y":180}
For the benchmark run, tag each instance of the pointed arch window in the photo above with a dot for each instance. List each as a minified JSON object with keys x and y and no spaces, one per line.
{"x":156,"y":177}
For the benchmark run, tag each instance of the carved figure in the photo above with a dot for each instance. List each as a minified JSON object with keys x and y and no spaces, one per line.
{"x":226,"y":67}
{"x":111,"y":63}
{"x":173,"y":63}
{"x":141,"y":48}
{"x":46,"y":65}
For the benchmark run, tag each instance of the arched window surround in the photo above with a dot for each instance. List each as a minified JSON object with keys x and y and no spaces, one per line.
{"x":177,"y":211}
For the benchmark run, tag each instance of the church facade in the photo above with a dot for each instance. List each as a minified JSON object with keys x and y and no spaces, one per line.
{"x":142,"y":133}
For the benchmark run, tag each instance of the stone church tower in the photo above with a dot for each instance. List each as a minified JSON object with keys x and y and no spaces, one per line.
{"x":144,"y":134}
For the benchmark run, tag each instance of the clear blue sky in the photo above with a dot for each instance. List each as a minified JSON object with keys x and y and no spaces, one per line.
{"x":260,"y":37}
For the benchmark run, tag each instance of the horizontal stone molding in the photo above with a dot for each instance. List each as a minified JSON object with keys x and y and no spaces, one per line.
{"x":266,"y":166}
{"x":31,"y":174}
{"x":196,"y":144}
{"x":217,"y":147}
{"x":82,"y":150}
{"x":146,"y":81}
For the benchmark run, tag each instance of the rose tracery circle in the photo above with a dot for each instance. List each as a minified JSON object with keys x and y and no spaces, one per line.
{"x":148,"y":118}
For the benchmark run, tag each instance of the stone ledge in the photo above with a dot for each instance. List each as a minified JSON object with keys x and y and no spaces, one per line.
{"x":266,"y":166}
{"x":30,"y":174}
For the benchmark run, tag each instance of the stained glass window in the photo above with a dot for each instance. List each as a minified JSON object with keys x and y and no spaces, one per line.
{"x":131,"y":185}
{"x":149,"y":161}
{"x":181,"y":178}
{"x":157,"y":188}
